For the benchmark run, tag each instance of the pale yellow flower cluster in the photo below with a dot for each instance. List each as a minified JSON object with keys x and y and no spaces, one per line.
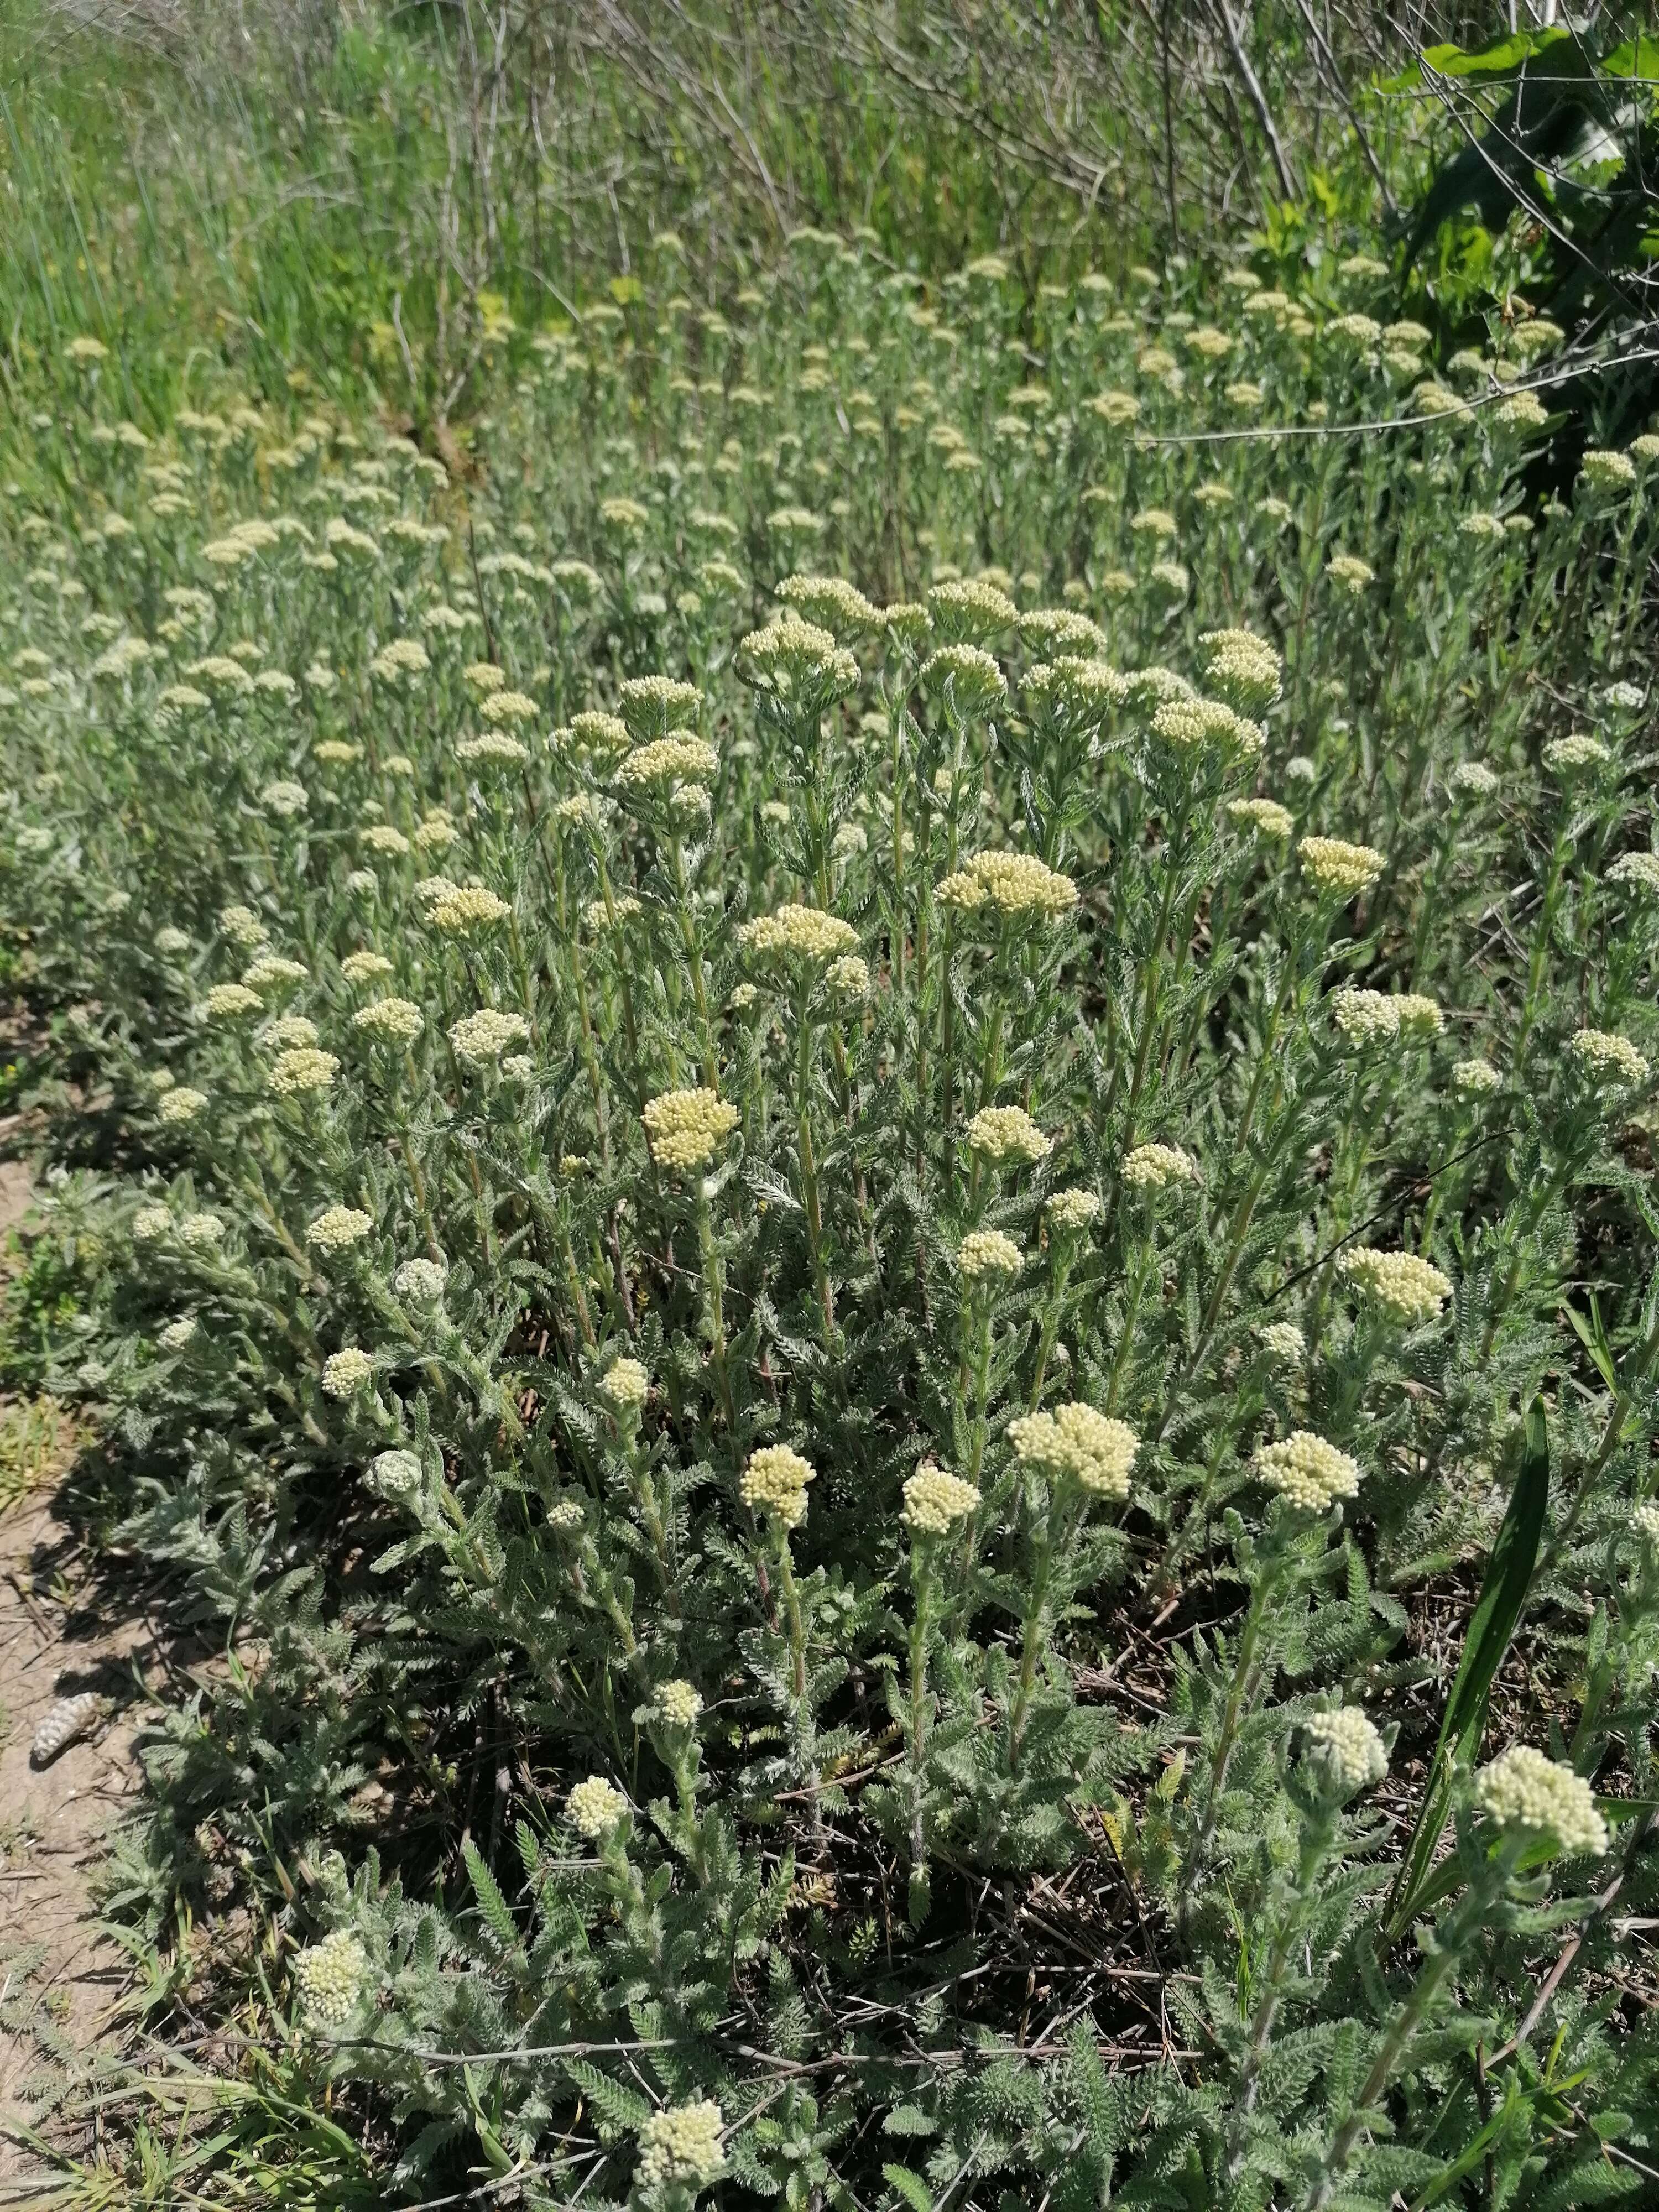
{"x":1310,"y":1473}
{"x":1333,"y":865}
{"x":626,"y":1385}
{"x":594,"y":1808}
{"x":345,"y":1373}
{"x":329,"y":1978}
{"x":486,"y":1035}
{"x":1006,"y":1136}
{"x":934,"y":1500}
{"x":775,"y":1483}
{"x":1265,"y":816}
{"x":986,"y":1256}
{"x":805,"y":933}
{"x":1189,"y":726}
{"x":1014,"y":883}
{"x":1611,"y":1061}
{"x":680,"y":2147}
{"x":1522,"y":1789}
{"x":1155,"y":1167}
{"x":1073,"y":1209}
{"x":466,"y":907}
{"x":670,"y":760}
{"x":1346,"y":1749}
{"x":1406,"y":1289}
{"x":302,"y":1069}
{"x":1076,"y":1443}
{"x":397,"y":1021}
{"x":685,"y":1129}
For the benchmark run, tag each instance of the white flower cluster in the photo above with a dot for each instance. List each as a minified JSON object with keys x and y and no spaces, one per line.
{"x":775,"y":1483}
{"x":686,"y":1128}
{"x":1076,"y":1443}
{"x":1406,"y":1289}
{"x":1522,"y":1789}
{"x":1312,"y":1475}
{"x":680,"y":2147}
{"x":1346,"y":1750}
{"x":935,"y":1500}
{"x":330,"y":1976}
{"x":1006,"y":1136}
{"x":1157,"y":1167}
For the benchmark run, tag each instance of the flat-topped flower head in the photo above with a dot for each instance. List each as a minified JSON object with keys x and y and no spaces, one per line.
{"x":970,"y":610}
{"x":303,"y":1069}
{"x":680,"y":2147}
{"x":1013,"y":884}
{"x":1076,"y":692}
{"x":1606,"y":472}
{"x":1006,"y":1136}
{"x":501,"y":711}
{"x":226,"y":1000}
{"x":364,"y":967}
{"x":802,"y":932}
{"x":595,"y":1807}
{"x":393,"y":1021}
{"x":986,"y":1255}
{"x":935,"y":1501}
{"x":283,"y":799}
{"x":775,"y":1482}
{"x":600,"y":737}
{"x":494,"y":747}
{"x":1073,"y":1209}
{"x":338,"y":1227}
{"x":1284,"y":1343}
{"x":1077,"y":1445}
{"x":329,"y":1978}
{"x":271,"y":969}
{"x":1062,"y":631}
{"x":832,"y":604}
{"x":1157,"y":1167}
{"x":1420,"y":1017}
{"x":1190,"y":727}
{"x":1365,"y":1018}
{"x":181,"y":1104}
{"x":668,"y":760}
{"x":1396,"y":1284}
{"x":651,"y":706}
{"x":686,"y":1128}
{"x":1576,"y":755}
{"x":795,"y":660}
{"x":1612,"y":1063}
{"x":465,"y":908}
{"x":345,"y":1373}
{"x":626,"y":1385}
{"x":1351,"y":573}
{"x":968,"y":676}
{"x":1333,"y":865}
{"x":1475,"y":1078}
{"x":1344,"y":1751}
{"x":487,"y":1034}
{"x":1242,"y":670}
{"x":1266,"y":816}
{"x":1637,"y":872}
{"x":421,"y":1281}
{"x":1309,"y":1473}
{"x":677,"y":1704}
{"x":1473,"y":780}
{"x":1522,"y":1792}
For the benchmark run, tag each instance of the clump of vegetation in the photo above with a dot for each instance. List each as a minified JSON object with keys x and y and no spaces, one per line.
{"x":882,"y":1253}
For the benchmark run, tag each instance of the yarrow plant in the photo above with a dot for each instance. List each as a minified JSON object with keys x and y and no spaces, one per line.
{"x":871,"y":1214}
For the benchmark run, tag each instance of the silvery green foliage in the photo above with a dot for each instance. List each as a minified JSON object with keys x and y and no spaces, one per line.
{"x":555,"y":962}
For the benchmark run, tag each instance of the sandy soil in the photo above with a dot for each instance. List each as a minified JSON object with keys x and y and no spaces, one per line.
{"x":56,"y":1640}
